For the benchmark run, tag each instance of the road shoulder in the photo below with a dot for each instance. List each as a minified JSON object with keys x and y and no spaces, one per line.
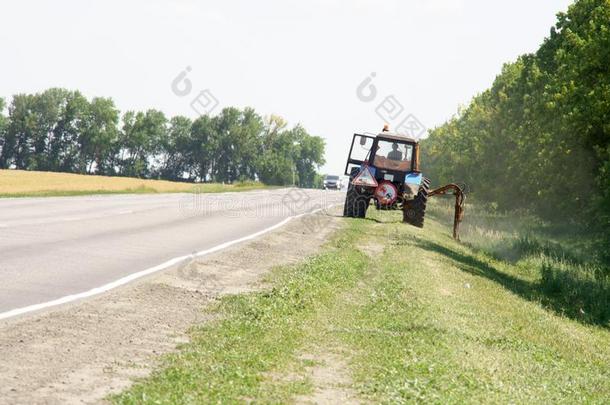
{"x":83,"y":352}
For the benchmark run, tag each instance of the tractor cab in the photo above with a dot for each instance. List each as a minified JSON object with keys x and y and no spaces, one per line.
{"x":389,"y":157}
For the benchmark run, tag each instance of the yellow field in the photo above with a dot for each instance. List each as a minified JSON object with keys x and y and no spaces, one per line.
{"x":20,"y":183}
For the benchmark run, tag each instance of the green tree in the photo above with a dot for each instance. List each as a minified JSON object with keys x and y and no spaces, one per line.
{"x":176,"y":155}
{"x":61,"y":130}
{"x":247,"y":142}
{"x":98,"y":137}
{"x":140,"y":141}
{"x":202,"y":153}
{"x":3,"y":125}
{"x":18,"y":148}
{"x":308,"y":156}
{"x":539,"y":138}
{"x":276,"y":162}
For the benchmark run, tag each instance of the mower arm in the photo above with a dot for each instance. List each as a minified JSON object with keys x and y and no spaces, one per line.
{"x":459,"y":204}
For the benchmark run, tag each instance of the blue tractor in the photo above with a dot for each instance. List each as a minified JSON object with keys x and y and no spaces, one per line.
{"x":384,"y":169}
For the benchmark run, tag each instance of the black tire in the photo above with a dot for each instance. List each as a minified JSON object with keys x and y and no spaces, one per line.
{"x":356,"y":204}
{"x":414,"y":211}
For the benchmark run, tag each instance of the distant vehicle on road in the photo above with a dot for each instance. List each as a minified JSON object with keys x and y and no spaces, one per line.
{"x":332,"y":182}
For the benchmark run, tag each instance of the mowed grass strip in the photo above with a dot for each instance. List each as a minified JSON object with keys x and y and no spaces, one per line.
{"x":21,"y":183}
{"x":256,"y":336}
{"x":417,"y":316}
{"x":441,"y":323}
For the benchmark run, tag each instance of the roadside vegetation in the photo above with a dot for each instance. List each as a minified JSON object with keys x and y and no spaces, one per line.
{"x":409,"y":315}
{"x":20,"y":183}
{"x":559,"y":261}
{"x":538,"y":140}
{"x":560,"y":266}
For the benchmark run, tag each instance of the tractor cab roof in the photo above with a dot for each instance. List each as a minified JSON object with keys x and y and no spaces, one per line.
{"x":395,"y":137}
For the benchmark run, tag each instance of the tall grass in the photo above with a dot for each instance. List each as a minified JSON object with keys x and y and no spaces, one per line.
{"x":580,"y":290}
{"x":560,"y":262}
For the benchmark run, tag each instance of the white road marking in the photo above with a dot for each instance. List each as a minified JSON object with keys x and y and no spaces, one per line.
{"x":134,"y":276}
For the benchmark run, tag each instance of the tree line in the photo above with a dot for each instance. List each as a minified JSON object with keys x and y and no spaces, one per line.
{"x":539,"y":138}
{"x":61,"y":130}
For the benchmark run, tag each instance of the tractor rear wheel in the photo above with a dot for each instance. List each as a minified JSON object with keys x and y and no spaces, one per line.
{"x":414,"y":211}
{"x":356,"y":204}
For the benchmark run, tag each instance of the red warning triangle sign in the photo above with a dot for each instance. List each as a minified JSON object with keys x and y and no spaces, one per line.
{"x":365,"y":178}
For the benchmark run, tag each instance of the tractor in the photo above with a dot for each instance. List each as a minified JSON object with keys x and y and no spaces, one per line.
{"x":385,"y":169}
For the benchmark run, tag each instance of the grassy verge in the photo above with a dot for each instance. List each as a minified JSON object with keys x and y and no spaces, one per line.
{"x":256,"y":334}
{"x":416,"y":316}
{"x":559,"y":264}
{"x":19,"y":183}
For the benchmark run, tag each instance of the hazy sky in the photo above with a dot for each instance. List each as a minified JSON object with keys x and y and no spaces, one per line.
{"x":302,"y":60}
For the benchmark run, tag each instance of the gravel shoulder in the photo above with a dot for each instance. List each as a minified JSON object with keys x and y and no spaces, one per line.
{"x":82,"y":352}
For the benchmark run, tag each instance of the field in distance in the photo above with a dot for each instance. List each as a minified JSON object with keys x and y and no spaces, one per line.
{"x":22,"y":183}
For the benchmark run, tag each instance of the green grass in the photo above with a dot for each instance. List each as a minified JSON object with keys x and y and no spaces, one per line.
{"x":256,"y":333}
{"x":559,"y":262}
{"x":417,"y":316}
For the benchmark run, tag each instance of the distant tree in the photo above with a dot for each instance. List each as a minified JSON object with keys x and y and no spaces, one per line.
{"x":140,"y":141}
{"x":60,"y":130}
{"x":276,"y":162}
{"x":64,"y":112}
{"x":202,"y":153}
{"x":3,"y":125}
{"x":309,"y":156}
{"x":234,"y":143}
{"x":44,"y":129}
{"x":226,"y":125}
{"x":18,"y":144}
{"x":176,"y":154}
{"x":247,"y":141}
{"x":98,"y":137}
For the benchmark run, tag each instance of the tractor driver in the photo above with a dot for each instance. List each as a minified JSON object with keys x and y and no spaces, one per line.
{"x":395,"y":154}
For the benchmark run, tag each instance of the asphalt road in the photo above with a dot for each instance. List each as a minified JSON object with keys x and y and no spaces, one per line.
{"x":58,"y":246}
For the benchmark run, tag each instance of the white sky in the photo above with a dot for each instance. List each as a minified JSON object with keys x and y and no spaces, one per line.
{"x":302,"y":60}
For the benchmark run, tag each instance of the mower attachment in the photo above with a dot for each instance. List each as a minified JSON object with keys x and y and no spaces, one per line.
{"x":459,"y":204}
